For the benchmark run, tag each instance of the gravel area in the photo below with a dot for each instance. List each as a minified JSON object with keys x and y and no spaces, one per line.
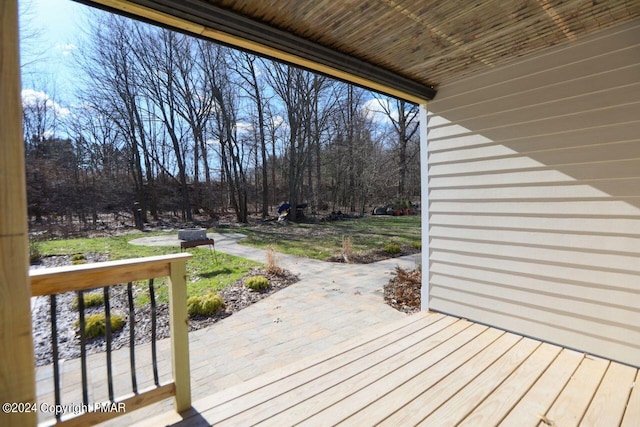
{"x":236,"y":297}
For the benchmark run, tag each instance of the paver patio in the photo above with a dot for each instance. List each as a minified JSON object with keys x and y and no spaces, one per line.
{"x":331,"y":304}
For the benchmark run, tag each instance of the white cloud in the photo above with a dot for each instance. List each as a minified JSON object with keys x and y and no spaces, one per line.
{"x":277,"y":120}
{"x":34,"y":98}
{"x":66,"y":49}
{"x":244,"y":127}
{"x":375,"y":110}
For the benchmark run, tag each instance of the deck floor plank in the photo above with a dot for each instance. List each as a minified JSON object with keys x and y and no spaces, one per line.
{"x":610,"y":401}
{"x":294,"y":391}
{"x":432,"y":369}
{"x":539,"y":398}
{"x":496,"y":406}
{"x":632,"y":412}
{"x":572,"y":403}
{"x":341,"y":401}
{"x":325,"y":361}
{"x":467,"y":399}
{"x":395,"y":399}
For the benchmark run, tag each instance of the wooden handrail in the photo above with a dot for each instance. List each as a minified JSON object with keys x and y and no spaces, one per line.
{"x":86,"y":276}
{"x":56,"y":280}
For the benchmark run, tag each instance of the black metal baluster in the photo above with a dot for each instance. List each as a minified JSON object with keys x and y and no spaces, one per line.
{"x":132,"y":338}
{"x":83,"y":349}
{"x":154,"y":355}
{"x":107,"y":324}
{"x":54,"y":350}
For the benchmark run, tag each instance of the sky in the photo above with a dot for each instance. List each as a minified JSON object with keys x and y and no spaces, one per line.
{"x":46,"y":57}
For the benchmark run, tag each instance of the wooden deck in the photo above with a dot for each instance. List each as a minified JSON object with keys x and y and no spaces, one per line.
{"x":433,"y":370}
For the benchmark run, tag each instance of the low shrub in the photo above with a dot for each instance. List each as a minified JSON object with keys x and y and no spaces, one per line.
{"x":417,"y":245}
{"x":393,"y":249}
{"x":78,"y":259}
{"x":35,"y":255}
{"x":205,"y":305}
{"x":256,"y":283}
{"x":90,"y":300}
{"x":95,"y":325}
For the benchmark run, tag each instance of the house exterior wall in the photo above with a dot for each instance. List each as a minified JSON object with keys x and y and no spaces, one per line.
{"x":534,"y":190}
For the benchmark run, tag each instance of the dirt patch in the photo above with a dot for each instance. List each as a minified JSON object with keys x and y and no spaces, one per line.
{"x":374,"y":255}
{"x":403,"y":291}
{"x":235,"y":296}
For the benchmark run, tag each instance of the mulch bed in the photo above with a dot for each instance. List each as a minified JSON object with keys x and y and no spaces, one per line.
{"x":235,"y":296}
{"x":403,"y":290}
{"x":374,"y":255}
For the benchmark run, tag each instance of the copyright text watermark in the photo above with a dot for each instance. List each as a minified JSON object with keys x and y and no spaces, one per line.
{"x":66,"y":409}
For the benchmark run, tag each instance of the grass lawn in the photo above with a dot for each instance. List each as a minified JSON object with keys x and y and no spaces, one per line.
{"x":203,"y":272}
{"x":320,"y":241}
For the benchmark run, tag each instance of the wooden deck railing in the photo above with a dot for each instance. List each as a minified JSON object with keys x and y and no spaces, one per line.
{"x":54,"y":281}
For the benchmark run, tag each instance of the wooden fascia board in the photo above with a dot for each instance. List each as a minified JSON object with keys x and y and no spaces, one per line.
{"x":211,"y":22}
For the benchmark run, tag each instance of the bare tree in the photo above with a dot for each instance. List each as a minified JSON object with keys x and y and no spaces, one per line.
{"x":156,"y":54}
{"x":172,"y":112}
{"x":40,"y":116}
{"x":196,"y":105}
{"x":275,"y":131}
{"x":31,"y":46}
{"x":247,"y":69}
{"x":232,"y":150}
{"x":297,"y":90}
{"x":102,"y":151}
{"x":403,"y":117}
{"x":322,"y":103}
{"x":352,"y":155}
{"x":114,"y":90}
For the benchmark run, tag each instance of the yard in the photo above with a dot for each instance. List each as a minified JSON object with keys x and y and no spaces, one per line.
{"x":324,"y":240}
{"x":371,"y":239}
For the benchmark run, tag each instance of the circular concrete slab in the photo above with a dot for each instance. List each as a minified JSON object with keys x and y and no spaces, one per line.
{"x":172,"y":239}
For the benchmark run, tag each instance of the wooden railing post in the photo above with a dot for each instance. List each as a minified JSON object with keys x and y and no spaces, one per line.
{"x":179,"y":324}
{"x":17,"y":373}
{"x":57,"y":280}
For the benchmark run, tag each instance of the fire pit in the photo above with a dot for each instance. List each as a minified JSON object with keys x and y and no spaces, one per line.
{"x":192,"y":234}
{"x":192,"y":237}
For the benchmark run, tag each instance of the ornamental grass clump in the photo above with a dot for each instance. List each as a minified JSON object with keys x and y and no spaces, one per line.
{"x":256,"y":283}
{"x":393,"y":249}
{"x":272,"y":266}
{"x":95,"y":325}
{"x":347,"y":248}
{"x":205,"y":305}
{"x":92,"y":299}
{"x":78,"y":259}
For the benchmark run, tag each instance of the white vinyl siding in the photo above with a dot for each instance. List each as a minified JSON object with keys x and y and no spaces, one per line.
{"x":534,"y":196}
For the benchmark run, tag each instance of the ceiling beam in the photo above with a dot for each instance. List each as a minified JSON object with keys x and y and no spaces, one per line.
{"x":212,"y":22}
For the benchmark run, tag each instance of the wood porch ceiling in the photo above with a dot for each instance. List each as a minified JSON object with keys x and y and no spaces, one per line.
{"x":409,"y":46}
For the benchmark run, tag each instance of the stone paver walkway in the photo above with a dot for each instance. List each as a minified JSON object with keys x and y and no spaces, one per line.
{"x":330,"y":304}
